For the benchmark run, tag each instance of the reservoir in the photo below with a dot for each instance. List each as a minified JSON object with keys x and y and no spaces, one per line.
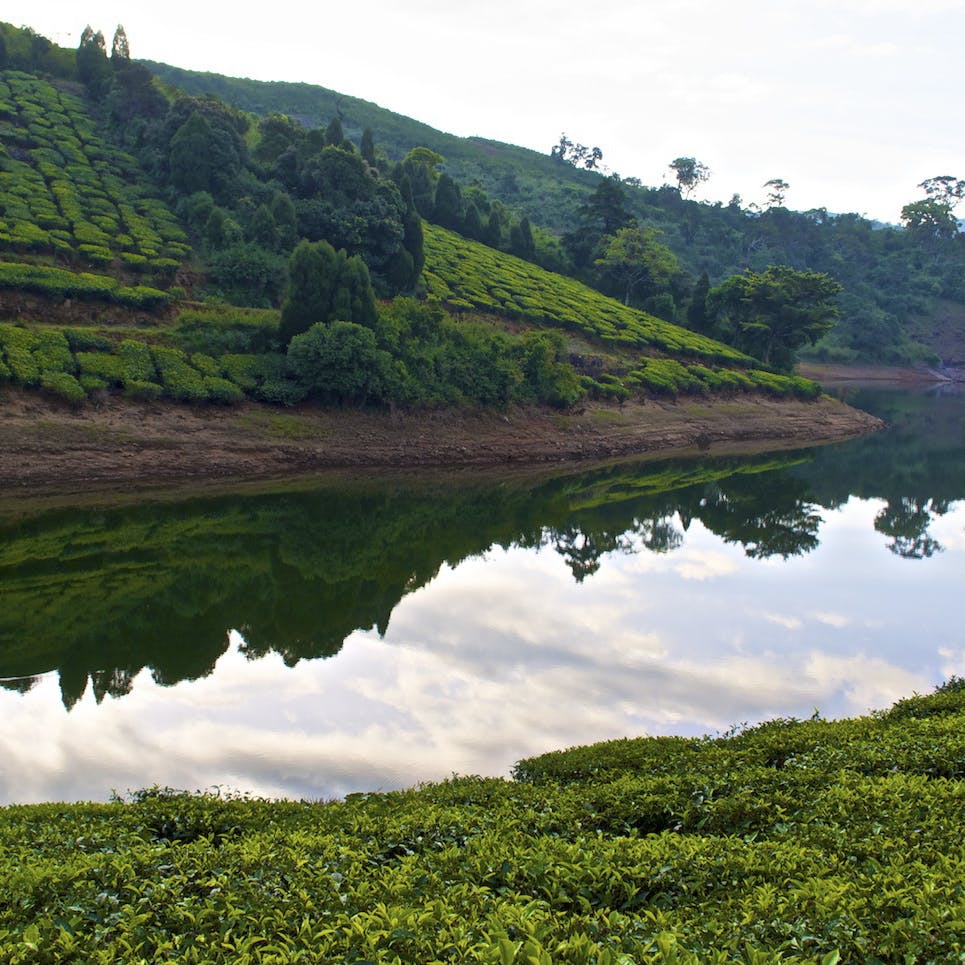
{"x":369,"y":632}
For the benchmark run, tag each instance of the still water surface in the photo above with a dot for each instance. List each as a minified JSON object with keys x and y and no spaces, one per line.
{"x":368,"y":634}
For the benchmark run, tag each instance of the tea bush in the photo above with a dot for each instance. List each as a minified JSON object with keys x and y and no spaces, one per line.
{"x":792,"y":842}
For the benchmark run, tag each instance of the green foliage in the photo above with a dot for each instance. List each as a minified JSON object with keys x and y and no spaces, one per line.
{"x":58,"y":283}
{"x":69,"y":193}
{"x":793,"y":842}
{"x":340,"y":362}
{"x":325,"y":285}
{"x":64,"y":385}
{"x":771,"y":314}
{"x":465,"y":274}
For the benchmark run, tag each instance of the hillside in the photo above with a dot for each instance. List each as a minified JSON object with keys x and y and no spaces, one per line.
{"x":494,"y":329}
{"x":897,"y":283}
{"x":794,"y":841}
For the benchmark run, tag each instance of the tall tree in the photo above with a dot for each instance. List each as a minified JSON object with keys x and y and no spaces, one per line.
{"x":448,"y":208}
{"x":777,"y":191}
{"x":689,"y":173}
{"x":367,"y":147}
{"x":93,"y":67}
{"x":120,"y":48}
{"x":521,"y":241}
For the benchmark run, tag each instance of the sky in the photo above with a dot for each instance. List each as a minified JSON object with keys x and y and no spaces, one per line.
{"x":852,"y":102}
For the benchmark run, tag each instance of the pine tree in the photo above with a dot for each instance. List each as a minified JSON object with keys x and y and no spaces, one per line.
{"x":447,"y":210}
{"x":334,"y":135}
{"x":367,"y":147}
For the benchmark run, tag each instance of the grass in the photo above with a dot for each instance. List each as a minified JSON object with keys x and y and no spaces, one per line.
{"x":794,"y":841}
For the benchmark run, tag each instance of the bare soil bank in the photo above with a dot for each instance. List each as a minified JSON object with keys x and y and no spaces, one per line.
{"x":44,"y":444}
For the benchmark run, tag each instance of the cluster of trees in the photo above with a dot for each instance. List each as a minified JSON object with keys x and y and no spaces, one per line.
{"x":342,"y":348}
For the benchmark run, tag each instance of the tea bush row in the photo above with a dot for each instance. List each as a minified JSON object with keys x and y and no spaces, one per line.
{"x":791,"y":842}
{"x":65,"y":191}
{"x":59,"y":283}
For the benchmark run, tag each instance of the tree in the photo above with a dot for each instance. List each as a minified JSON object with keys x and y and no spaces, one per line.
{"x":120,"y":48}
{"x":340,"y":362}
{"x":334,"y":135}
{"x":945,"y":189}
{"x":930,"y":220}
{"x":778,"y":191}
{"x":633,"y":257}
{"x":448,"y":208}
{"x":771,"y":314}
{"x":325,"y":285}
{"x":93,"y":67}
{"x":521,"y":241}
{"x":576,"y":154}
{"x":367,"y":147}
{"x":603,"y":213}
{"x":689,"y":172}
{"x":697,"y":310}
{"x":422,"y":168}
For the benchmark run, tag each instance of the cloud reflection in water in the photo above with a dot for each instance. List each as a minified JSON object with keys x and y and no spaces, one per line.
{"x":505,"y":656}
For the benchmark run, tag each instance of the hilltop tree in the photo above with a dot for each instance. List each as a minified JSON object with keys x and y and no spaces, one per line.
{"x":93,"y":67}
{"x":777,"y":192}
{"x":576,"y":154}
{"x":771,"y":314}
{"x":689,"y":173}
{"x":946,"y":189}
{"x":120,"y":48}
{"x":930,"y":220}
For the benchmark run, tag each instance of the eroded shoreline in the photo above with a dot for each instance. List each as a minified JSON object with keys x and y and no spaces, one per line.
{"x":44,"y":444}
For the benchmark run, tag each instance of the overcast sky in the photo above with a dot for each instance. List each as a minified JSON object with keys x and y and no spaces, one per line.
{"x":853,"y":102}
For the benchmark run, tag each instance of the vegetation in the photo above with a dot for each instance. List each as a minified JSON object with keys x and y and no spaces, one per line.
{"x":66,"y":191}
{"x":892,"y":277}
{"x":794,"y":841}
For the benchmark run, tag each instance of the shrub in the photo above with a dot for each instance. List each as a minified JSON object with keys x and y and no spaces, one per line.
{"x":80,"y":340}
{"x":222,"y":391}
{"x":142,"y":391}
{"x":110,"y":368}
{"x":63,"y":385}
{"x":137,"y":361}
{"x":180,"y":381}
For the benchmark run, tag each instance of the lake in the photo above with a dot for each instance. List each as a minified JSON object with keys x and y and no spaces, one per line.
{"x":371,"y":632}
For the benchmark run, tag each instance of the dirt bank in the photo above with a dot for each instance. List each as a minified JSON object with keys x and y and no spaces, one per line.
{"x":833,"y":375}
{"x":43,"y":443}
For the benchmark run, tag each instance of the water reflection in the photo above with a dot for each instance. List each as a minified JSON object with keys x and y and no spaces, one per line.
{"x":708,"y":593}
{"x":100,"y":595}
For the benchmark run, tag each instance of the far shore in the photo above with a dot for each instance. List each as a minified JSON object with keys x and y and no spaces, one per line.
{"x":120,"y":444}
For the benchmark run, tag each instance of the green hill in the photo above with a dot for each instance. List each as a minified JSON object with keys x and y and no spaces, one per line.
{"x":898,"y":284}
{"x":71,"y":200}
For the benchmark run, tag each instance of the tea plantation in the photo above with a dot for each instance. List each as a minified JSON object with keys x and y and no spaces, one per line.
{"x":793,"y":841}
{"x":66,"y":192}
